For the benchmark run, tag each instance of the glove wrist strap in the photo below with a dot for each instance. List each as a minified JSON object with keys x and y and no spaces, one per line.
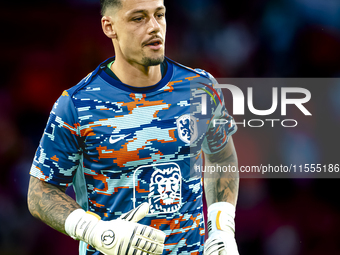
{"x":221,"y":217}
{"x":79,"y":224}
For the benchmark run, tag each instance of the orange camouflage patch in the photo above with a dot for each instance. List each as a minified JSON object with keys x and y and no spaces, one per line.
{"x":65,"y":93}
{"x":192,"y":77}
{"x":55,"y":158}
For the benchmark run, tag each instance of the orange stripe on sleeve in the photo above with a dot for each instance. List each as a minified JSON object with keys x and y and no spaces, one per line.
{"x":218,"y":226}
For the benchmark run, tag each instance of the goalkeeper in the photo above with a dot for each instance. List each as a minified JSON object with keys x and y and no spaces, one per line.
{"x":128,"y":138}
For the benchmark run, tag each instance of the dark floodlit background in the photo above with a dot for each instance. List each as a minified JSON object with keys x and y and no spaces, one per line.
{"x":48,"y":46}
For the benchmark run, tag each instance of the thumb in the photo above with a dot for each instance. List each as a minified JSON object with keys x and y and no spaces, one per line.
{"x":136,"y":214}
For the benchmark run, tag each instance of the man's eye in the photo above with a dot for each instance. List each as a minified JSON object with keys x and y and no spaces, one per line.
{"x":160,"y":15}
{"x":138,"y":19}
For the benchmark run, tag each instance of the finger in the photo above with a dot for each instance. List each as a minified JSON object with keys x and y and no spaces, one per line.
{"x":157,"y":235}
{"x":153,"y":248}
{"x":147,"y":246}
{"x":143,"y":244}
{"x":136,"y":214}
{"x":223,"y":252}
{"x":158,"y":249}
{"x":153,"y":251}
{"x":214,"y":251}
{"x":213,"y":247}
{"x":137,"y":252}
{"x":150,"y":233}
{"x":151,"y":239}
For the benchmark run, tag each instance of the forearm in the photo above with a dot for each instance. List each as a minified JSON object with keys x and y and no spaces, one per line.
{"x":221,"y":186}
{"x":50,"y":204}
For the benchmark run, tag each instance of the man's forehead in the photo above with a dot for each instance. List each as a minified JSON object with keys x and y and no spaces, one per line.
{"x":131,"y":6}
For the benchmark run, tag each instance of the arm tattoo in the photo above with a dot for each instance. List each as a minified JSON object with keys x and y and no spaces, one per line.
{"x":221,"y":186}
{"x":49,"y":203}
{"x":221,"y":189}
{"x":226,"y":189}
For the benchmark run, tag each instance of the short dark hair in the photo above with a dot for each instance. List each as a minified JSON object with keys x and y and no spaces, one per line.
{"x":105,"y":4}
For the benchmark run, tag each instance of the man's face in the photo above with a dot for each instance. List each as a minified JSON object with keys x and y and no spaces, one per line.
{"x":140,"y":27}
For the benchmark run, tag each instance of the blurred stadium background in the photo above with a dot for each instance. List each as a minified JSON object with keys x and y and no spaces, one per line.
{"x":48,"y":46}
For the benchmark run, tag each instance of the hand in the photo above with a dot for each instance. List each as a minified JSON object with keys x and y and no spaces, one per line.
{"x":221,"y":228}
{"x":220,"y":243}
{"x":118,"y":237}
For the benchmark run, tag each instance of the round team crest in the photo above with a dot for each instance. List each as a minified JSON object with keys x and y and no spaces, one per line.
{"x":187,"y":128}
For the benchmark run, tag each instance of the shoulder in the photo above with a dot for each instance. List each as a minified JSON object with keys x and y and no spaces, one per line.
{"x":65,"y":101}
{"x":88,"y":79}
{"x":85,"y":81}
{"x":67,"y":98}
{"x":195,"y":72}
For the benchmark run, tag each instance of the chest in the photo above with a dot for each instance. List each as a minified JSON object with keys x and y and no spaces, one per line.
{"x":129,"y":130}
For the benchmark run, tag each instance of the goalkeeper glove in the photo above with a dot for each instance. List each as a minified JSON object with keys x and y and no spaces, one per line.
{"x":116,"y":237}
{"x":221,"y":228}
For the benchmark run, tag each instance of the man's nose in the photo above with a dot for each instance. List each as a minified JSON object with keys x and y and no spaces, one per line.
{"x":154,"y":26}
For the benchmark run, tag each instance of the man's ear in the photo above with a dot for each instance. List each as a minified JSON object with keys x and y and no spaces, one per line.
{"x":108,"y":27}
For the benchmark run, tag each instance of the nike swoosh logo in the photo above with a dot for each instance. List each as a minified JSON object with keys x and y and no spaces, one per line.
{"x":113,"y":140}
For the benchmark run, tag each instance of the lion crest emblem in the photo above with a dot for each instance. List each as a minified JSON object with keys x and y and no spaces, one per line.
{"x":165,"y":189}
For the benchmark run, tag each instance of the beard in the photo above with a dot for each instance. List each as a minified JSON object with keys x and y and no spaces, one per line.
{"x":147,"y":61}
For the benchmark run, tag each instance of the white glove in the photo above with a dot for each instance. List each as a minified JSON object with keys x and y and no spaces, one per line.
{"x":116,"y":237}
{"x":221,"y":228}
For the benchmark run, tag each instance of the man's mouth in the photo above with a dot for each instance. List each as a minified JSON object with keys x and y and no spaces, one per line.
{"x":154,"y":44}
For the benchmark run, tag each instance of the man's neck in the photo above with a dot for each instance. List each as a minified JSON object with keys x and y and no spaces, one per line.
{"x":136,"y":75}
